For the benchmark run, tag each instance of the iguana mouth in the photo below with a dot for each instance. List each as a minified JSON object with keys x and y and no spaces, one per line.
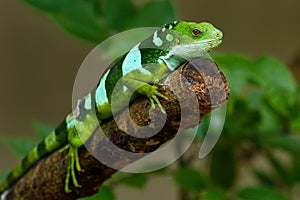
{"x":195,"y":49}
{"x":211,"y":43}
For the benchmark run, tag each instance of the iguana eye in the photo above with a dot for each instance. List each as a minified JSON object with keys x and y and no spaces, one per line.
{"x":196,"y":32}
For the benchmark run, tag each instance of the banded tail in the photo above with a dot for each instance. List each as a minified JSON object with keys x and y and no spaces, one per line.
{"x":55,"y":140}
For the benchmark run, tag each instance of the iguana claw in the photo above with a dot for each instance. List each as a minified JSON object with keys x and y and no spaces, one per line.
{"x":73,"y":162}
{"x":152,"y":93}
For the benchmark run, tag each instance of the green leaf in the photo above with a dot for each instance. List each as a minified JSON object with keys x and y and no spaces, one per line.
{"x":247,"y":123}
{"x":270,"y":121}
{"x":282,"y":171}
{"x":295,"y":124}
{"x":223,"y":166}
{"x":214,"y":194}
{"x":78,"y":17}
{"x":296,"y":167}
{"x":260,"y":193}
{"x":105,"y":193}
{"x":272,"y":73}
{"x":135,"y":180}
{"x":117,"y":12}
{"x":288,"y":143}
{"x":21,"y":146}
{"x":66,"y":6}
{"x":82,"y":26}
{"x":41,"y":128}
{"x":48,"y":5}
{"x":236,"y":69}
{"x":190,"y":179}
{"x":264,"y":178}
{"x":153,"y":14}
{"x":278,"y":83}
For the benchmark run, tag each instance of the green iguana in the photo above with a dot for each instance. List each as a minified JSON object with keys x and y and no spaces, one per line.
{"x":146,"y":63}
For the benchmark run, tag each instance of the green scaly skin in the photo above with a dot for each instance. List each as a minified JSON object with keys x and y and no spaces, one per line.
{"x":146,"y":63}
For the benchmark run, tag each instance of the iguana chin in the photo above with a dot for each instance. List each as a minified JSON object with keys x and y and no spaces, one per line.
{"x":146,"y":63}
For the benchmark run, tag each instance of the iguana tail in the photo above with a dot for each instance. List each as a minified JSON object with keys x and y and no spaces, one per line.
{"x":55,"y":140}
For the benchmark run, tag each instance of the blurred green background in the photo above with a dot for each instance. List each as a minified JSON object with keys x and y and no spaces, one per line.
{"x":39,"y":63}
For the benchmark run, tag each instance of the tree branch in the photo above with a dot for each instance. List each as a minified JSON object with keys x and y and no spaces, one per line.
{"x":199,"y":76}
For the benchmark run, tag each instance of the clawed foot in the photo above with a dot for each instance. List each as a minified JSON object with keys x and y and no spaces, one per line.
{"x":151,"y":91}
{"x":73,"y":162}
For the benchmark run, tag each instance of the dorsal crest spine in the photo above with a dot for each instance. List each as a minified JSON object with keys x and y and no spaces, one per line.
{"x":170,"y":25}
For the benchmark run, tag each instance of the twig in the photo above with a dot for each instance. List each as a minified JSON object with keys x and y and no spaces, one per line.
{"x":199,"y":76}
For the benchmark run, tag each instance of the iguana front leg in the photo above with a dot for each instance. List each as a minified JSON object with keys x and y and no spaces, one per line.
{"x":146,"y":83}
{"x":151,"y":91}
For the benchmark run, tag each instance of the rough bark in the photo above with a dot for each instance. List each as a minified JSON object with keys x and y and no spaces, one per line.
{"x":199,"y":76}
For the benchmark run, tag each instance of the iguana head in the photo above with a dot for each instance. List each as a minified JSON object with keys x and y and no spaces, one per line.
{"x":190,"y":39}
{"x":198,"y":32}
